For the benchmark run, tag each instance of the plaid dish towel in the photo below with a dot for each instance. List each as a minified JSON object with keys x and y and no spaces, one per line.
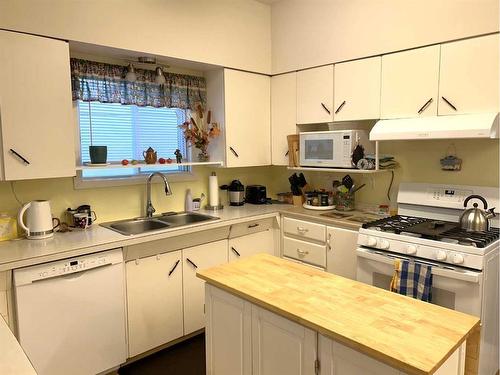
{"x":412,"y":279}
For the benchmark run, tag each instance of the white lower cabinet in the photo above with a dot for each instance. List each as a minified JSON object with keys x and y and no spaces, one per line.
{"x":245,"y":339}
{"x":228,"y":354}
{"x":154,"y":301}
{"x":251,"y":244}
{"x":337,"y":359}
{"x":280,"y":346}
{"x":194,"y":259}
{"x":341,"y":252}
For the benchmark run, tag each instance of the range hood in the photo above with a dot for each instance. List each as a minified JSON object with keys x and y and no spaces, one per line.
{"x":481,"y":125}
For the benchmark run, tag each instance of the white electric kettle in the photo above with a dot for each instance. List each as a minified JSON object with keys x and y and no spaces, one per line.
{"x":39,"y":223}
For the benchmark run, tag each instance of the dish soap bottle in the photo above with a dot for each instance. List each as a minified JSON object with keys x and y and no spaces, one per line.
{"x":188,"y":204}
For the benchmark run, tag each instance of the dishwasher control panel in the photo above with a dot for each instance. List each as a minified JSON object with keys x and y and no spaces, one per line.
{"x":67,"y":266}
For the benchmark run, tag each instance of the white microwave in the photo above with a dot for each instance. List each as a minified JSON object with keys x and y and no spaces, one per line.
{"x":331,"y":149}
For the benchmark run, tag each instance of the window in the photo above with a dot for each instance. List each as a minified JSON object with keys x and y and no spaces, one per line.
{"x":127,"y":131}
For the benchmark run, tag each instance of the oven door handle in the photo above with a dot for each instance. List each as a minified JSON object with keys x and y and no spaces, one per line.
{"x":462,"y":274}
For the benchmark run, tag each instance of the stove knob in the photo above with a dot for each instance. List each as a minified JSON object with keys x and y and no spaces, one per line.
{"x":411,"y":250}
{"x":457,"y":259}
{"x":384,"y":244}
{"x":441,"y":255}
{"x":371,"y":241}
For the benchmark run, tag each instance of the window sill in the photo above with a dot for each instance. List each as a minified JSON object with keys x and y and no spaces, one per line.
{"x":92,"y":183}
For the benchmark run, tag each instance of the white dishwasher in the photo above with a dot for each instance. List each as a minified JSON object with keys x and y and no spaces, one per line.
{"x":71,"y":314}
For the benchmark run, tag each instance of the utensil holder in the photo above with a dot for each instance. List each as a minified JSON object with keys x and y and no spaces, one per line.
{"x":344,"y":201}
{"x":298,"y":200}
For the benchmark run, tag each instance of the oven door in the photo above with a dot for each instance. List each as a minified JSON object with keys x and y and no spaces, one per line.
{"x":452,"y":287}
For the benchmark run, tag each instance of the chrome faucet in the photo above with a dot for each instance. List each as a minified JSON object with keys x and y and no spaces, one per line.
{"x":149,"y":206}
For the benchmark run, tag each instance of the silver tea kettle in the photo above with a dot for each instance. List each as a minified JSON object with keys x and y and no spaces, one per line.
{"x":476,"y":219}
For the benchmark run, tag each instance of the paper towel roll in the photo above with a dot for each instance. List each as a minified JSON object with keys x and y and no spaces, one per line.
{"x":213,"y":190}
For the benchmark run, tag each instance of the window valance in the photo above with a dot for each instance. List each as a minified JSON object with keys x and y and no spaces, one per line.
{"x":105,"y":83}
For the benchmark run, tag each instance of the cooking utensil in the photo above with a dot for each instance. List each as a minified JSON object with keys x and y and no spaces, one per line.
{"x":347,"y":181}
{"x":354,"y":189}
{"x":476,"y":219}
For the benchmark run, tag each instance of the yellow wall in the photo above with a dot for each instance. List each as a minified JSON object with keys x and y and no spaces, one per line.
{"x":129,"y":201}
{"x":419,"y":162}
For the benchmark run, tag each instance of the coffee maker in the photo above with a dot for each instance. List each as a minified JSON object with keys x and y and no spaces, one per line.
{"x":236,"y":193}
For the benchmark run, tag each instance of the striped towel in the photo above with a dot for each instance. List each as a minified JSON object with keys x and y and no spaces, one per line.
{"x":412,"y":279}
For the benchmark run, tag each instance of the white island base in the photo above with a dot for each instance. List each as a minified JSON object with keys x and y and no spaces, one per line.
{"x":245,"y":339}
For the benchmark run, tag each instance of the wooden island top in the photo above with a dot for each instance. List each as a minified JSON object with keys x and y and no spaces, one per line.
{"x":413,"y":336}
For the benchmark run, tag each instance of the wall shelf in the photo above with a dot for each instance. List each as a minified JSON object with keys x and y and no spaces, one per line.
{"x":144,"y":165}
{"x":340,"y":170}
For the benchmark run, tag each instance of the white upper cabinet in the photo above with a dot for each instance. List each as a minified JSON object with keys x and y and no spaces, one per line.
{"x":247,"y":118}
{"x":36,"y":113}
{"x":357,"y":90}
{"x":410,"y":83}
{"x":469,"y":77}
{"x":283,"y":115}
{"x":315,"y":95}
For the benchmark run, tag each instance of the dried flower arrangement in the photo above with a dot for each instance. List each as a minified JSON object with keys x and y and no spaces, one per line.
{"x":200,"y":134}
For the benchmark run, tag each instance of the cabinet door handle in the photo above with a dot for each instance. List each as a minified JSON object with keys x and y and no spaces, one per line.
{"x":20,"y":157}
{"x":174,"y":267}
{"x":253,"y":225}
{"x":235,"y":251}
{"x":286,"y":153}
{"x":191,"y":262}
{"x":340,"y":107}
{"x":326,"y":108}
{"x":302,"y":252}
{"x":234,"y":152}
{"x":329,"y":242}
{"x":302,"y":230}
{"x":449,"y":103}
{"x":424,"y":107}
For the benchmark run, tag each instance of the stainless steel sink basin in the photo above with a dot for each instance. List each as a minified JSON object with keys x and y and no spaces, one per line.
{"x":136,"y":226}
{"x":165,"y":221}
{"x":185,"y":218}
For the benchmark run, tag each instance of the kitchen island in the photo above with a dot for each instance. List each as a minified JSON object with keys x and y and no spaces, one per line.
{"x":267,"y":315}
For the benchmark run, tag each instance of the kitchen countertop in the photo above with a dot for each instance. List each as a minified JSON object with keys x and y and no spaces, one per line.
{"x":23,"y":252}
{"x":13,"y":360}
{"x":408,"y":334}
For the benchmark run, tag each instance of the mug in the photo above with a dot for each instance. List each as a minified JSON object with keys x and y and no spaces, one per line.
{"x":80,"y":220}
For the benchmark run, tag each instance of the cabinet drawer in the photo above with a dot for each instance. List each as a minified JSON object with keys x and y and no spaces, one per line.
{"x":251,"y":227}
{"x":305,"y":251}
{"x":304,"y":229}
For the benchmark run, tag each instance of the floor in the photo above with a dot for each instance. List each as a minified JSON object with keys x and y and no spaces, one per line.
{"x":185,"y":358}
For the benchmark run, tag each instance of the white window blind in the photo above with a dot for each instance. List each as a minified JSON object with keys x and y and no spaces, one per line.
{"x":127,"y":131}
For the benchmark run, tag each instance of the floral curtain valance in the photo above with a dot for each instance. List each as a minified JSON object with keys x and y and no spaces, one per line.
{"x":105,"y":83}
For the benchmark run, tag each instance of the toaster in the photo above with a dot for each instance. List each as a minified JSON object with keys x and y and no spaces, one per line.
{"x":255,"y":194}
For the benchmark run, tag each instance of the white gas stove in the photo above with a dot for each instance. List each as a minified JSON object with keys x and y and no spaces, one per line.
{"x":465,"y":265}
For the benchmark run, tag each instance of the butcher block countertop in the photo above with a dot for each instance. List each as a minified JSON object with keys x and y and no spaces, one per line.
{"x":413,"y":336}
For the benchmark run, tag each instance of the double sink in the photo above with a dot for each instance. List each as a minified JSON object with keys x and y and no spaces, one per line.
{"x":168,"y":220}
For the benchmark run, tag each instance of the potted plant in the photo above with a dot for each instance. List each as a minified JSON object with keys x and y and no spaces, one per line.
{"x":199,"y":134}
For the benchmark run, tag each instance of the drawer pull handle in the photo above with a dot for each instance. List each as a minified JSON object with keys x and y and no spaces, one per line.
{"x":340,"y":107}
{"x":20,"y":157}
{"x":234,"y":152}
{"x":326,"y":108}
{"x":302,"y":230}
{"x":191,"y":262}
{"x":449,"y":103}
{"x":286,"y":153}
{"x":302,"y":252}
{"x":424,"y":107}
{"x":328,"y":242}
{"x":253,"y":225}
{"x":235,"y":251}
{"x":173,"y":268}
